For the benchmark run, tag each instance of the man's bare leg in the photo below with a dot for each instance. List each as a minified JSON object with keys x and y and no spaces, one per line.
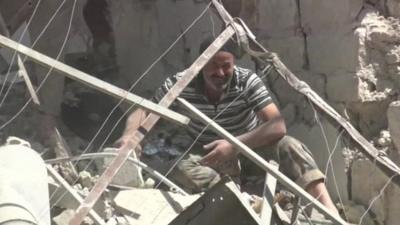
{"x":319,"y":191}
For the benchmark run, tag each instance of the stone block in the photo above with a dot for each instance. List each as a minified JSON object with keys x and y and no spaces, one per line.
{"x":318,"y":16}
{"x":313,"y":138}
{"x":328,"y":53}
{"x":291,"y":51}
{"x":343,"y":88}
{"x":278,"y":18}
{"x":393,"y":116}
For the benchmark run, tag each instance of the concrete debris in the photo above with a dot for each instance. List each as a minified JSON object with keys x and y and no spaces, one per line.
{"x":129,"y":175}
{"x":85,"y":178}
{"x":384,"y":140}
{"x":348,"y":51}
{"x":62,"y":198}
{"x":156,"y":206}
{"x":64,"y":217}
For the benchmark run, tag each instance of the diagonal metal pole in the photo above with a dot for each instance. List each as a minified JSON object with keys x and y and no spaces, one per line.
{"x":93,"y":81}
{"x":246,"y":151}
{"x":22,"y":72}
{"x":148,"y":123}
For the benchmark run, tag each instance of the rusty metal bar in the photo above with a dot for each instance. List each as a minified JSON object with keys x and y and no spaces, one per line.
{"x":148,"y":123}
{"x":24,"y":74}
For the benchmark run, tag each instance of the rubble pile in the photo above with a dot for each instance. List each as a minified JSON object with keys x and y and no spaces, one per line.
{"x":348,"y":51}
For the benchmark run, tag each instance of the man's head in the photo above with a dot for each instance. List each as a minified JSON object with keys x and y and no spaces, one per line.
{"x":217,"y":73}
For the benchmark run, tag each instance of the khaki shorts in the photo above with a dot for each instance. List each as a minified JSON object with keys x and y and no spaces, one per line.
{"x":294,"y":158}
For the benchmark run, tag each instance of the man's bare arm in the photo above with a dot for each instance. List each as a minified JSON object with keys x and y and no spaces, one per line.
{"x":132,"y":124}
{"x":266,"y":134}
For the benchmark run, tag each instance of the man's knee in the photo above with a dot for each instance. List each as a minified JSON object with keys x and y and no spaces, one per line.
{"x":296,"y":162}
{"x":193,"y":176}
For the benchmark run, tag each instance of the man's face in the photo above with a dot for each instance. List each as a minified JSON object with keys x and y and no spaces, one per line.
{"x":217,"y":73}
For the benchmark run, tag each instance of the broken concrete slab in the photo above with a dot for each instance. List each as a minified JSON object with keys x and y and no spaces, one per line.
{"x":151,"y":206}
{"x":222,"y":204}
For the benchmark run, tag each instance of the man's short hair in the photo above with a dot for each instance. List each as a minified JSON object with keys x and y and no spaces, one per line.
{"x":230,"y":46}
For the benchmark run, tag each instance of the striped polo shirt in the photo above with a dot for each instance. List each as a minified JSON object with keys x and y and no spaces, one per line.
{"x":236,"y":111}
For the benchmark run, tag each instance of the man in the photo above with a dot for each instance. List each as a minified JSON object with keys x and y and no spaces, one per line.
{"x":236,"y":99}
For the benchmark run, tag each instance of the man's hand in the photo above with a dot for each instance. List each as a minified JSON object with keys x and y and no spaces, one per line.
{"x":126,"y":141}
{"x":219,"y":151}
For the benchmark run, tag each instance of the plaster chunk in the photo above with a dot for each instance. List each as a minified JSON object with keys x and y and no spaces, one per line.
{"x":381,"y":30}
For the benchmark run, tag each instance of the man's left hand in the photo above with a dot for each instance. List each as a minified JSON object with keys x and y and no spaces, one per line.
{"x":219,"y":151}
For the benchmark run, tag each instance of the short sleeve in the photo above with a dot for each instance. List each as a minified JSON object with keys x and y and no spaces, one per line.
{"x":258,"y":95}
{"x":165,"y":87}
